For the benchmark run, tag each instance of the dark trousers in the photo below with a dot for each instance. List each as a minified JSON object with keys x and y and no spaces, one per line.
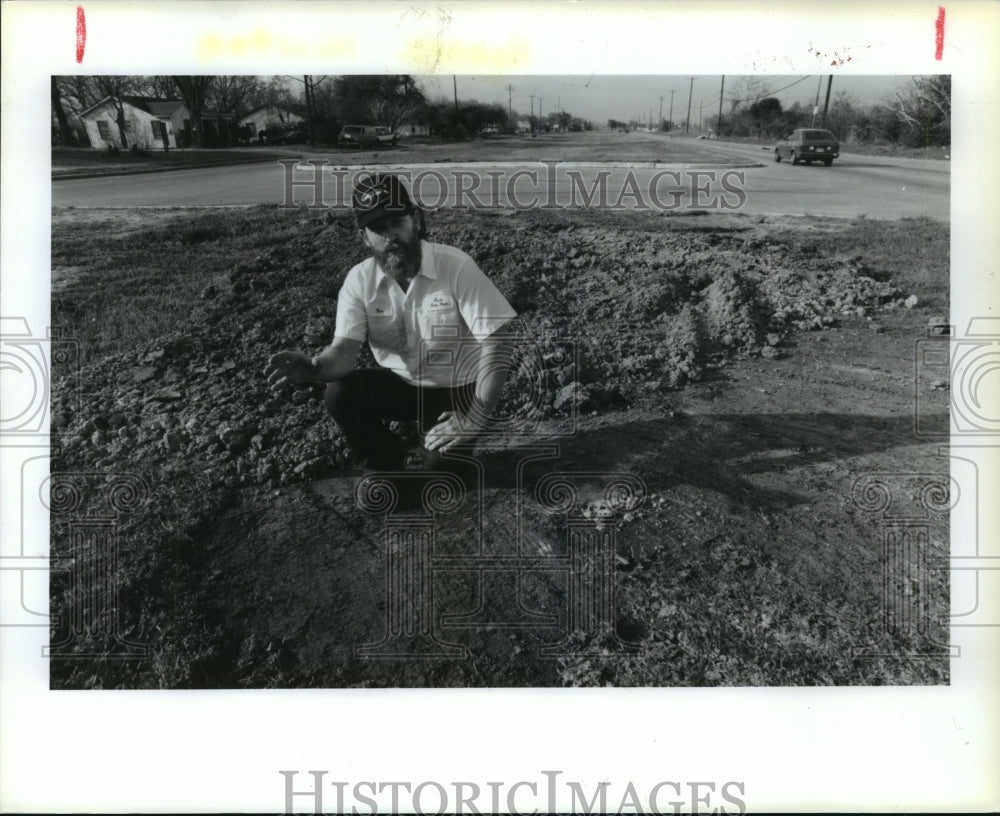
{"x":363,"y":403}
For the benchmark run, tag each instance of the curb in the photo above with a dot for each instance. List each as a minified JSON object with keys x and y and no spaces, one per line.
{"x":143,"y":171}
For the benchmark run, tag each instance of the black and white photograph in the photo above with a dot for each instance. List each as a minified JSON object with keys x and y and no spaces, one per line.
{"x":370,"y":372}
{"x":380,"y":381}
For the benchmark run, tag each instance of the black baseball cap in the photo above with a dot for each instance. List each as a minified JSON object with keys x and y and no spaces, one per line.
{"x":379,"y":195}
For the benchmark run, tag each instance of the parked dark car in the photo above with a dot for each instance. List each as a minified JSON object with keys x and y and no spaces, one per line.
{"x":292,"y":137}
{"x":808,"y":145}
{"x":282,"y":135}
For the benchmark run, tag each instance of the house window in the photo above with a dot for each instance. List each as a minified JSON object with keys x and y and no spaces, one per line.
{"x":159,"y":130}
{"x":104,"y":130}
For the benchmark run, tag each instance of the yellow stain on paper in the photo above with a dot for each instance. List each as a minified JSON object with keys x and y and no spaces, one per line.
{"x":428,"y":54}
{"x":264,"y":42}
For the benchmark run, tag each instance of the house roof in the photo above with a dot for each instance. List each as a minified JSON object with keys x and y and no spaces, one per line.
{"x":298,"y":110}
{"x":160,"y":108}
{"x":154,"y":106}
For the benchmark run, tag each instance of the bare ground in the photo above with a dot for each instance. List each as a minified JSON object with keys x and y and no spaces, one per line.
{"x":740,"y":381}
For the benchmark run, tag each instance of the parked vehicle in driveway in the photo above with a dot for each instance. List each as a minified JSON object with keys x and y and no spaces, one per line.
{"x":282,"y":135}
{"x":366,"y":135}
{"x":808,"y":145}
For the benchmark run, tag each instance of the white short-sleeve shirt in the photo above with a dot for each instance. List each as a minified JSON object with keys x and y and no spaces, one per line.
{"x":429,"y":335}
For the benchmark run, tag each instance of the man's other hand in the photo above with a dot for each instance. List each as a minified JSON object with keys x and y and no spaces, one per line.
{"x":449,"y":432}
{"x":289,"y":367}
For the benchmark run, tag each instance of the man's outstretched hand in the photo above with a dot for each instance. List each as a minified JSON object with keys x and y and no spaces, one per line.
{"x":289,"y":367}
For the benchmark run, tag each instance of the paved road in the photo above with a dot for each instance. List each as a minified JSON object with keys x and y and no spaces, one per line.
{"x":879,"y":187}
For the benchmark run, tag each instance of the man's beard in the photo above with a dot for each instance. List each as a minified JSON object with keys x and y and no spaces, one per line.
{"x":401,"y":261}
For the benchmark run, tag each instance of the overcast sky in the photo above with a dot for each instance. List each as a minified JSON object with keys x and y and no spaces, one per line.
{"x":602,"y":97}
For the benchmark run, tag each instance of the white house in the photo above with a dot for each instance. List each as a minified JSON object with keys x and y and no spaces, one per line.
{"x":148,"y":122}
{"x":410,"y":129}
{"x":268,"y":116}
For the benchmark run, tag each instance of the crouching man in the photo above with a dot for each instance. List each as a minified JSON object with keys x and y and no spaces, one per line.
{"x":430,"y":316}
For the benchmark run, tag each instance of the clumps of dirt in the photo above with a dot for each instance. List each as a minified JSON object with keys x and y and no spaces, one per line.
{"x":613,"y":315}
{"x":650,"y":308}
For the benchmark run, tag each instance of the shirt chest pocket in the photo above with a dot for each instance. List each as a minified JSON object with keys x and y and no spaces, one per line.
{"x":385,"y":327}
{"x":440,"y":321}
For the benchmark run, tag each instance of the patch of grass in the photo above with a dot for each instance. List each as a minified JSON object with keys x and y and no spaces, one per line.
{"x":67,"y":160}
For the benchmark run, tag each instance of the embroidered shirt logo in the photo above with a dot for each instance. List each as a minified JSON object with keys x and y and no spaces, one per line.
{"x":439,"y":302}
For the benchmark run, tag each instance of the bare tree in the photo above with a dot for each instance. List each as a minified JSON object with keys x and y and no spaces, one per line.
{"x":78,"y":92}
{"x":746,"y":91}
{"x":309,"y":85}
{"x":236,"y":94}
{"x":117,"y":87}
{"x":194,"y":91}
{"x":924,"y":107}
{"x":158,"y":87}
{"x":65,"y":132}
{"x":386,"y":100}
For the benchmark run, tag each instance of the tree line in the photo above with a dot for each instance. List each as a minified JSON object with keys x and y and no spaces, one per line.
{"x":918,"y":114}
{"x":327,"y":103}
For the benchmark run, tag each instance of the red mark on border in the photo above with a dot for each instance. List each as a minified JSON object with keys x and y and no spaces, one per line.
{"x":81,"y":33}
{"x":939,"y":35}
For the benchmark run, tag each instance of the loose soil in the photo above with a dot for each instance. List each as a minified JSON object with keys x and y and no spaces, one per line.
{"x":735,"y":377}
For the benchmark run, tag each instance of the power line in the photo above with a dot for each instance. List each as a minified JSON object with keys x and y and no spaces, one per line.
{"x":769,"y":92}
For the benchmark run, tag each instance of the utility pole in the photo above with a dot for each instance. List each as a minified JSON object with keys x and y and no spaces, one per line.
{"x":540,"y":100}
{"x":659,"y":122}
{"x":510,"y":114}
{"x":531,"y":121}
{"x":718,"y":124}
{"x":671,"y":114}
{"x":826,"y":103}
{"x":454,"y":81}
{"x":687,"y":121}
{"x":819,"y":87}
{"x":701,"y":107}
